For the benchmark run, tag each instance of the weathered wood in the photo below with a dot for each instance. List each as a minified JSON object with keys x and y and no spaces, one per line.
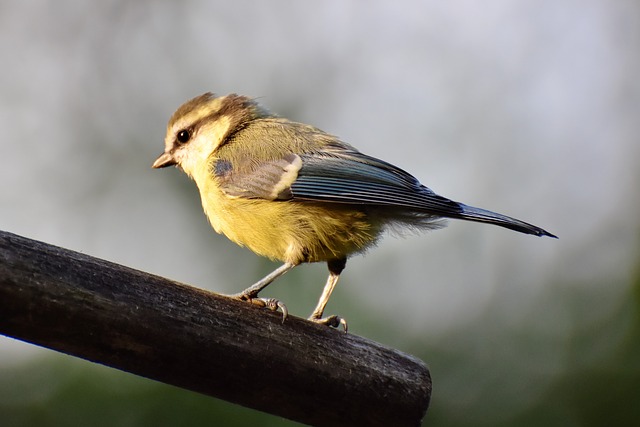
{"x":201,"y":341}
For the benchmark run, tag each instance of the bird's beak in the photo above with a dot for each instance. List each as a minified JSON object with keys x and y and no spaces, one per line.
{"x":165,"y":159}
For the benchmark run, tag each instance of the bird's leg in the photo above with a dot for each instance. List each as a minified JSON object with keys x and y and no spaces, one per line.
{"x":253,"y":290}
{"x":335,"y":268}
{"x":251,"y":293}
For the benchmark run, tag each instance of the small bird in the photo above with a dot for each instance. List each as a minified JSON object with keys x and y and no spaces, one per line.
{"x":294,"y":193}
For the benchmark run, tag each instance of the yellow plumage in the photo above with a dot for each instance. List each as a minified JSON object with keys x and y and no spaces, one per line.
{"x":287,"y":231}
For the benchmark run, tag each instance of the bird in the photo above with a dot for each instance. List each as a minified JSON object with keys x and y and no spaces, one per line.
{"x":291,"y":192}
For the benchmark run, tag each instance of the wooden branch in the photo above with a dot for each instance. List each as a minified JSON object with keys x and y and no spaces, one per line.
{"x":201,"y":341}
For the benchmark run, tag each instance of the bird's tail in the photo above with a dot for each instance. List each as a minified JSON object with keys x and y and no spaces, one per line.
{"x":471,"y":213}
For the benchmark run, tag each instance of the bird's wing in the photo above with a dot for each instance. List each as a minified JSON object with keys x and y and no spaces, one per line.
{"x":355,"y":178}
{"x":340,"y":176}
{"x":350,"y":177}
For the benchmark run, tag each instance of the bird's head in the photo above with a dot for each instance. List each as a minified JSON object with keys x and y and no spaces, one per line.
{"x":203,"y":124}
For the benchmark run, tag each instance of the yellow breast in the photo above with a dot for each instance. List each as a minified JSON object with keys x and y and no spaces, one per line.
{"x":288,"y":230}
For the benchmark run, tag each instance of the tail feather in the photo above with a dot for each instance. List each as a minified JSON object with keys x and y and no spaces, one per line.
{"x":471,"y":213}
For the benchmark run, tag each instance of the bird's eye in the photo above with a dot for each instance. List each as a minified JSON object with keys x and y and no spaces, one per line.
{"x":183,"y":136}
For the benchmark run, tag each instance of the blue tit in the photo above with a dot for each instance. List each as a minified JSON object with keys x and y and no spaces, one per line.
{"x":294,"y":193}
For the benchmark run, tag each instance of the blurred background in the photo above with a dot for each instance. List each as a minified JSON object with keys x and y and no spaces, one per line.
{"x":528,"y":108}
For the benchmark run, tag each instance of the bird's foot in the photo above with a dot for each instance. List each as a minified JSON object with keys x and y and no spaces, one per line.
{"x":331,"y":321}
{"x":268,"y":303}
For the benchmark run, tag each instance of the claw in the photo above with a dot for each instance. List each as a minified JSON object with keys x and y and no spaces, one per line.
{"x":332,"y":322}
{"x":269,"y":303}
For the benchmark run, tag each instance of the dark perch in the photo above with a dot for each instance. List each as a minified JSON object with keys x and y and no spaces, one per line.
{"x":201,"y":341}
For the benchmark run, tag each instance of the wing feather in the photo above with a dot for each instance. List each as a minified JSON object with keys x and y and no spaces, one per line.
{"x":347,"y":176}
{"x":355,"y":178}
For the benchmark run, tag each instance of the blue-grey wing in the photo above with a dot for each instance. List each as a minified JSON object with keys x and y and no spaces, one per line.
{"x":355,"y":178}
{"x":345,"y":176}
{"x":350,"y":177}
